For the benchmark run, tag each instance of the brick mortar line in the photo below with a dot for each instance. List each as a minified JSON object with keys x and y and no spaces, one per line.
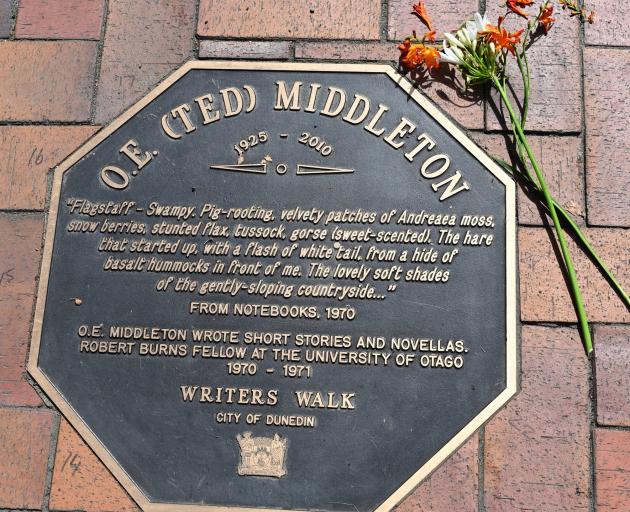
{"x":592,"y":386}
{"x":14,"y":15}
{"x":270,"y":39}
{"x":384,"y":21}
{"x":591,"y":469}
{"x":99,"y":59}
{"x":560,"y":324}
{"x":591,"y":227}
{"x":54,"y":437}
{"x":593,"y":422}
{"x":606,"y":46}
{"x":584,"y":142}
{"x":19,"y":510}
{"x":14,"y":407}
{"x":481,"y":495}
{"x":557,"y":133}
{"x":48,"y":123}
{"x":6,"y":213}
{"x":196,"y":42}
{"x":614,"y":428}
{"x":53,"y":40}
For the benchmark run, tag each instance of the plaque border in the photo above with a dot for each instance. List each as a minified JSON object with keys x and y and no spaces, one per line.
{"x":511,"y":284}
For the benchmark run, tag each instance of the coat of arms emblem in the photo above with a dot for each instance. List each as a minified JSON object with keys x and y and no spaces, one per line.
{"x":262,"y":456}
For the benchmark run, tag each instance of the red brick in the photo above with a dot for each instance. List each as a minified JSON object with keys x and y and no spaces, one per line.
{"x":19,"y":265}
{"x":354,"y":51}
{"x":30,"y":152}
{"x":537,"y":448}
{"x":446,"y":15}
{"x":612,"y":359}
{"x":612,"y":470}
{"x":562,"y":164}
{"x":6,"y":18}
{"x":25,"y":436}
{"x":544,"y":294}
{"x":611,"y":24}
{"x":244,"y":49}
{"x":453,"y":486}
{"x":145,"y":40}
{"x":52,"y":19}
{"x":555,"y":101}
{"x":294,"y":19}
{"x":606,"y":87}
{"x":81,"y":481}
{"x":46,"y":80}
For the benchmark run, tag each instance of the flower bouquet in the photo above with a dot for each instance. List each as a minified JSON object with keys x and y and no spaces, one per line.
{"x":482,"y":53}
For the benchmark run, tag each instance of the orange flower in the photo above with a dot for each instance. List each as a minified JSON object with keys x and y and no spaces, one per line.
{"x":515,"y":6}
{"x":501,"y":37}
{"x":429,"y":36}
{"x":576,"y":10}
{"x":421,"y":11}
{"x":431,"y":57}
{"x":545,"y":19}
{"x":415,"y":55}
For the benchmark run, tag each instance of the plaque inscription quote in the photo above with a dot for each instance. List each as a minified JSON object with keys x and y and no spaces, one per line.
{"x":277,"y":286}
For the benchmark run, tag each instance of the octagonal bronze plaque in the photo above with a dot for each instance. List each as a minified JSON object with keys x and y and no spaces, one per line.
{"x":277,"y":286}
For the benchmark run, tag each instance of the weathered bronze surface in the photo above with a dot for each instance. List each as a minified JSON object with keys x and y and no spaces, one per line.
{"x":277,"y":286}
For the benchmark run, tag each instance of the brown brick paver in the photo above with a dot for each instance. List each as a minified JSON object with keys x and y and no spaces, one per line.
{"x":453,"y":486}
{"x":612,"y":20}
{"x":21,"y":239}
{"x":24,"y":444}
{"x":612,"y":470}
{"x":29,"y":153}
{"x":607,"y":136}
{"x":537,"y":448}
{"x":446,"y":15}
{"x":244,"y":50}
{"x":46,"y":81}
{"x":563,"y":166}
{"x":145,"y":40}
{"x":612,"y":357}
{"x":294,"y":19}
{"x":55,"y":19}
{"x":544,"y":294}
{"x":81,"y":481}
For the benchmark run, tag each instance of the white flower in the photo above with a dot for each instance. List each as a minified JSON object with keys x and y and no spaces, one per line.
{"x":453,"y":40}
{"x":480,"y":22}
{"x":471,"y":28}
{"x":451,"y":54}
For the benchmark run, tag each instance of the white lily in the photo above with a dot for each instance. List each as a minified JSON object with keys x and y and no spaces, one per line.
{"x":480,"y":22}
{"x":451,"y":54}
{"x":453,"y":40}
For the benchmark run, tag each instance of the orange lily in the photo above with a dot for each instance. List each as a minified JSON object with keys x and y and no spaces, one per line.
{"x":414,"y":55}
{"x":429,"y":36}
{"x":515,"y":6}
{"x":545,"y":19}
{"x":421,"y":11}
{"x":501,"y":37}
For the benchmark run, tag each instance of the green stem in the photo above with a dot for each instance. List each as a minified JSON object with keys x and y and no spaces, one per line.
{"x":526,"y":86}
{"x":577,"y":232}
{"x":573,"y":284}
